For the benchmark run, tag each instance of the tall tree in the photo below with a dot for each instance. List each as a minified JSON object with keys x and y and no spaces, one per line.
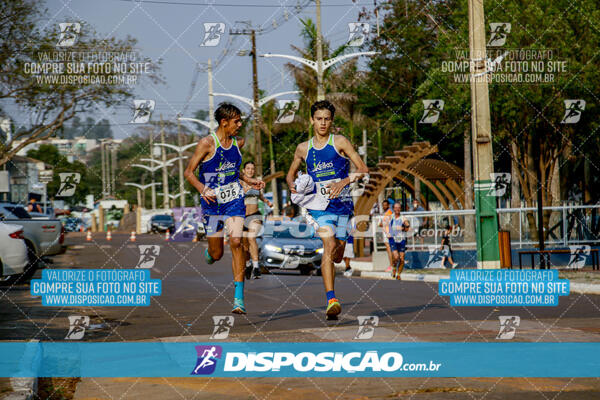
{"x":51,"y":97}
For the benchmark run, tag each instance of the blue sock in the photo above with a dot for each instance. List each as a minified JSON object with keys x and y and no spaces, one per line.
{"x":239,"y":290}
{"x":330,"y":295}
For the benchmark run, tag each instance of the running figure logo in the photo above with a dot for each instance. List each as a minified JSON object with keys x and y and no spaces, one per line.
{"x":579,"y":255}
{"x":573,"y":110}
{"x":508,"y":326}
{"x":207,"y":359}
{"x":366,"y":326}
{"x":142,"y":111}
{"x":358,"y":32}
{"x":500,"y":182}
{"x":223,"y":325}
{"x":148,"y":255}
{"x":212,"y":33}
{"x":68,"y":183}
{"x":287,"y":111}
{"x":292,"y":252}
{"x":69,"y":31}
{"x":432,"y":111}
{"x":499,"y":33}
{"x":435,"y":256}
{"x":77,"y":325}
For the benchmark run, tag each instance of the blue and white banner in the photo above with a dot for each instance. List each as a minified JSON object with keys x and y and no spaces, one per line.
{"x":157,"y":359}
{"x":95,"y":287}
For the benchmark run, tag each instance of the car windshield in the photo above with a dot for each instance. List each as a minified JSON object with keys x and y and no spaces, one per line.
{"x":162,"y":218}
{"x":19,"y":212}
{"x":289,"y":231}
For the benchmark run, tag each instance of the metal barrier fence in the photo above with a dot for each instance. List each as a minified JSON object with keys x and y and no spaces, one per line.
{"x":567,"y":225}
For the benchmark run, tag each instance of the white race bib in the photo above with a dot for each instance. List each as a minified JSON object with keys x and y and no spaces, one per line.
{"x":323,"y":190}
{"x":228,"y":192}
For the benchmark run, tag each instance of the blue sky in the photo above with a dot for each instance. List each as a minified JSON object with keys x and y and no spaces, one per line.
{"x":173,"y":32}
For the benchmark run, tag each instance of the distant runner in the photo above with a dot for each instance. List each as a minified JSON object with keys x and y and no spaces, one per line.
{"x":399,"y":228}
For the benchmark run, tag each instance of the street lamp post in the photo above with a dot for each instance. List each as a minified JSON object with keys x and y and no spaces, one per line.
{"x":320,"y":66}
{"x":158,"y":165}
{"x":140,"y":189}
{"x":179,"y":150}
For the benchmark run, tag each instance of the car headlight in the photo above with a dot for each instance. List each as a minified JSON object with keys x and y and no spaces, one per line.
{"x":319,"y":251}
{"x":270,"y":247}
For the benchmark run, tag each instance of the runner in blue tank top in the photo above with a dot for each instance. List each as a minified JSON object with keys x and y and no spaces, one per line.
{"x":328,"y":160}
{"x":219,"y":159}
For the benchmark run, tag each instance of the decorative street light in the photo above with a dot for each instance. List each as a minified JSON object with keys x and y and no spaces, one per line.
{"x":320,"y":66}
{"x":153,"y":168}
{"x":140,"y":189}
{"x":179,"y":150}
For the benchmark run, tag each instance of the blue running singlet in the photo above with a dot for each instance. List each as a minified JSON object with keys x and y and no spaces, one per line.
{"x":222,"y":173}
{"x":326,"y":166}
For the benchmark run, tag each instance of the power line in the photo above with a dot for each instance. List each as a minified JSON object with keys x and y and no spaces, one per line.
{"x":232,"y":5}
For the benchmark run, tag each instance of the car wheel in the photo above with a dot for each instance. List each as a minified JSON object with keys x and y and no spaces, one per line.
{"x":305,"y":269}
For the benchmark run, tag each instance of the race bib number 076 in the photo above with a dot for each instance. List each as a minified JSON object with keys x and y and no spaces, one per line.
{"x":229,"y":192}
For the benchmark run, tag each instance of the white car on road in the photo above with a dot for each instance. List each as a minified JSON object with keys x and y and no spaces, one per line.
{"x":13,"y":251}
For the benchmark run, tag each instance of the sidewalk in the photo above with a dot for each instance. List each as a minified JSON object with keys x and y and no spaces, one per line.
{"x":584,"y":281}
{"x":431,"y":388}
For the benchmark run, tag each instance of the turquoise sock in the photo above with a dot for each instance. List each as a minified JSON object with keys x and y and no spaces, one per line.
{"x":239,"y":290}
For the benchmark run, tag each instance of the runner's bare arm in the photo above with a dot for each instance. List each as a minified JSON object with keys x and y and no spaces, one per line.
{"x":346,"y":148}
{"x":241,"y":142}
{"x":264,"y":199}
{"x":255,"y":183}
{"x":203,"y":149}
{"x":299,"y":156}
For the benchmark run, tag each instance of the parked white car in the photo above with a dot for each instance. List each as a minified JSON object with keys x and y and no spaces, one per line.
{"x":13,"y":251}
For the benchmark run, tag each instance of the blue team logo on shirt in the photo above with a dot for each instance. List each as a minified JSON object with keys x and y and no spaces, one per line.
{"x":207,"y":359}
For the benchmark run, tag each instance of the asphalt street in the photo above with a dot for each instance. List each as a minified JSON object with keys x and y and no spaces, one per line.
{"x":193,"y":292}
{"x":289,"y":307}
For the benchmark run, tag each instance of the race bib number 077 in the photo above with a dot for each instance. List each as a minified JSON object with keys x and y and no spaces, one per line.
{"x":323,"y":189}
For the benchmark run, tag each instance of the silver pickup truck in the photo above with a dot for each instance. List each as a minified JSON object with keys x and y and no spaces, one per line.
{"x":43,"y":237}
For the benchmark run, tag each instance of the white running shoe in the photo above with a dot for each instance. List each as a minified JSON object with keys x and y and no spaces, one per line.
{"x":348,"y":273}
{"x":454,"y":265}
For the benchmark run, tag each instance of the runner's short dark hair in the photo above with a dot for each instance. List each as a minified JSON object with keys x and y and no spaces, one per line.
{"x":249,"y":162}
{"x":226,"y":111}
{"x":322,"y":105}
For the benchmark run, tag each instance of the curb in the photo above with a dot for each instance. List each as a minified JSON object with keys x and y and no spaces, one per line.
{"x":584,"y":288}
{"x":25,"y":388}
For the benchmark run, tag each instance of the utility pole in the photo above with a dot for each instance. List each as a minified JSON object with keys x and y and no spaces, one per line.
{"x":113,"y":168}
{"x":364,"y":145}
{"x":152,"y":172}
{"x":256,"y":110}
{"x":255,"y":105}
{"x":488,"y":255}
{"x":211,"y":100}
{"x":320,"y":88}
{"x":164,"y":166}
{"x":272,"y":167}
{"x":102,"y":160}
{"x":180,"y":162}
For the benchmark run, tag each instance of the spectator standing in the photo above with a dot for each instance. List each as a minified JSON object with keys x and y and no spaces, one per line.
{"x":446,"y":248}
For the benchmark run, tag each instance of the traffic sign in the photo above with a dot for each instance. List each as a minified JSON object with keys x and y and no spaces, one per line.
{"x":46,"y":176}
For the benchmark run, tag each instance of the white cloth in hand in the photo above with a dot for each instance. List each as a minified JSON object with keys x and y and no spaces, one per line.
{"x":306,"y":194}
